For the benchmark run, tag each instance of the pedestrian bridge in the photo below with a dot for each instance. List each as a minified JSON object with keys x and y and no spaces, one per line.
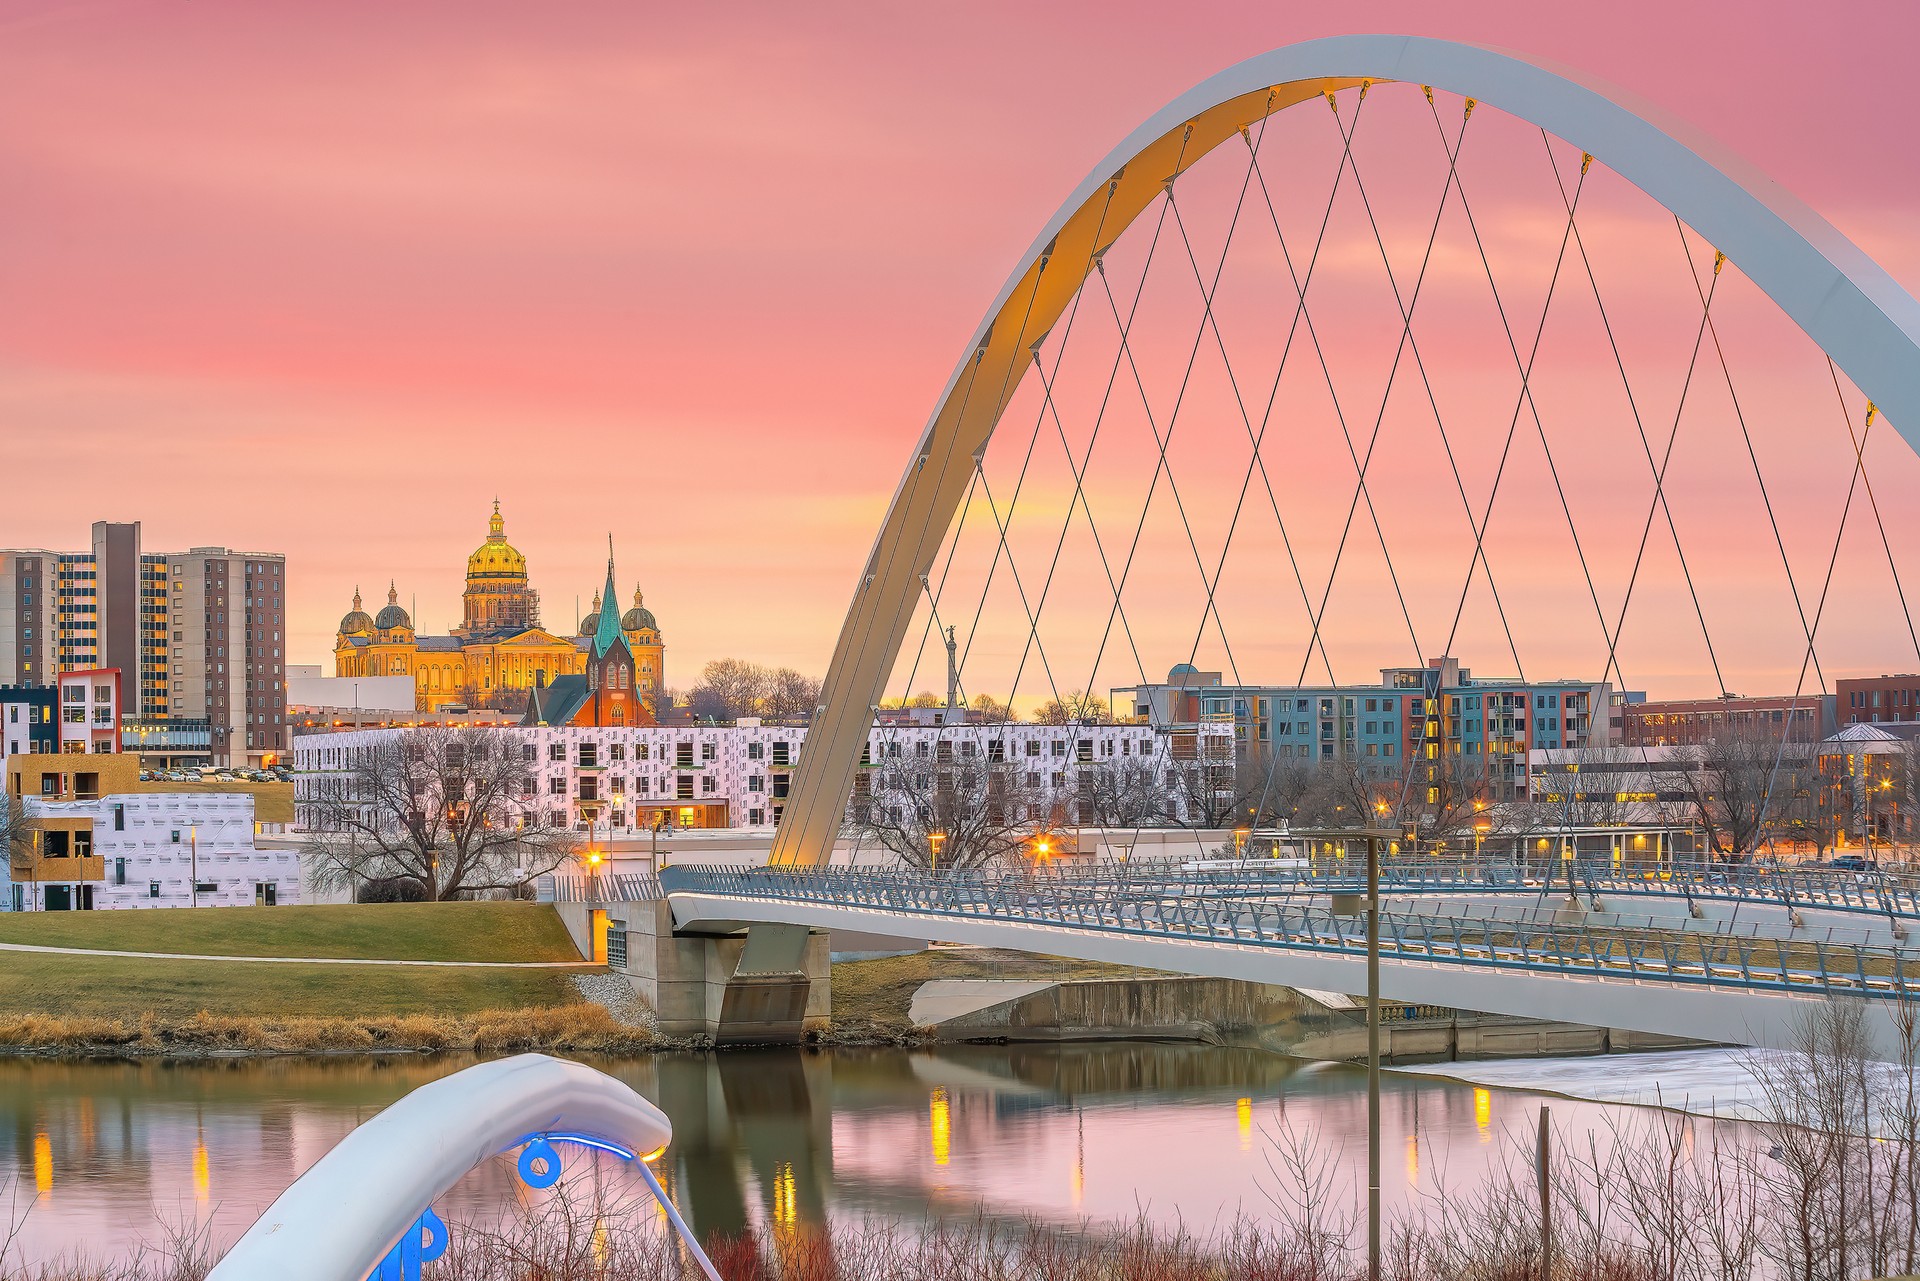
{"x":1534,"y":959}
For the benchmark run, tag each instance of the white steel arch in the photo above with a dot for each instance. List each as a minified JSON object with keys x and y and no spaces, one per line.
{"x":1824,"y":283}
{"x":340,"y":1219}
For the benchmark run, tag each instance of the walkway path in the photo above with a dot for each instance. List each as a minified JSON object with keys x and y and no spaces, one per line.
{"x":306,"y":960}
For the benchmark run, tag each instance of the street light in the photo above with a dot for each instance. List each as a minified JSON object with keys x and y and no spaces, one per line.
{"x":934,"y":841}
{"x":193,"y":846}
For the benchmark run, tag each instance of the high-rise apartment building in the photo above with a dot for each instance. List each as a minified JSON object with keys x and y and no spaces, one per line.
{"x":199,"y":636}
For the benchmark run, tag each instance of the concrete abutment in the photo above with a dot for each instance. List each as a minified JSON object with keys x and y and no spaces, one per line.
{"x":765,"y":986}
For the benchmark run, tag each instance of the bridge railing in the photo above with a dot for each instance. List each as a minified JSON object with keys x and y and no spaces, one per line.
{"x":608,"y":887}
{"x":1800,"y":965}
{"x":1886,"y":894}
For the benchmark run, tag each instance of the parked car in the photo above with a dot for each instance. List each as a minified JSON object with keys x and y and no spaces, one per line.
{"x":1853,"y":863}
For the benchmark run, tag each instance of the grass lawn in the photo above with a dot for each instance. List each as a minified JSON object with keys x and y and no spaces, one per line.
{"x":384,"y":931}
{"x":110,"y":987}
{"x":881,"y":990}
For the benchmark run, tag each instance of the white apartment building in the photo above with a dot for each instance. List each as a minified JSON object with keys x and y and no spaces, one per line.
{"x":151,"y":849}
{"x":624,"y":780}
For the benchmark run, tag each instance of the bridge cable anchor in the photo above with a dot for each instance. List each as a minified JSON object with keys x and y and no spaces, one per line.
{"x":1719,"y":261}
{"x":1872,"y":409}
{"x":1428,"y":90}
{"x":1471,"y":104}
{"x":1328,"y":95}
{"x":1586,"y":162}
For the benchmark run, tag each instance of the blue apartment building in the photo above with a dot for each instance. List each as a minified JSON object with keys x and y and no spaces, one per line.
{"x":1439,"y":712}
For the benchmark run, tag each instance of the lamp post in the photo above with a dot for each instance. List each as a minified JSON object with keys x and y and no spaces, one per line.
{"x":1373,"y":1056}
{"x":193,"y":863}
{"x":934,"y":841}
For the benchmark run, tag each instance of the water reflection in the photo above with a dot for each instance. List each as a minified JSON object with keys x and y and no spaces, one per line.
{"x":767,"y":1141}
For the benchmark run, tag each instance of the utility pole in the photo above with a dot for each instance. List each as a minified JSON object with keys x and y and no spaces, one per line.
{"x":1373,"y":1056}
{"x":953,"y":672}
{"x":1542,"y":1152}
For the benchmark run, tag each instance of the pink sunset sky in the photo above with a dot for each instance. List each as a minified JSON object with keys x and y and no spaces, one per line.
{"x":326,"y":278}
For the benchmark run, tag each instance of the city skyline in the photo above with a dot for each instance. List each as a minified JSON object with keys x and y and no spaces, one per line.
{"x":270,"y":303}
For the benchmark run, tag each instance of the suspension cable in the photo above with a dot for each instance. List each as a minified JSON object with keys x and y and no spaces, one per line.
{"x":1658,"y":502}
{"x":1773,"y":521}
{"x":1405,"y":308}
{"x":1859,"y":453}
{"x":1524,"y":399}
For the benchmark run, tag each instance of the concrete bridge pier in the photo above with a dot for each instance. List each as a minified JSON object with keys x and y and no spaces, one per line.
{"x":761,"y":984}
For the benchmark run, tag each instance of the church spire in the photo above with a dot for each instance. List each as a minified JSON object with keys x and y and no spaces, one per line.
{"x":607,"y":633}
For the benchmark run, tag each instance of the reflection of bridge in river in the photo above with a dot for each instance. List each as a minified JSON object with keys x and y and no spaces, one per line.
{"x":754,"y":1131}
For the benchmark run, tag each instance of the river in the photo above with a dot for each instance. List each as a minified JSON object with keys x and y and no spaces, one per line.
{"x":101,"y":1154}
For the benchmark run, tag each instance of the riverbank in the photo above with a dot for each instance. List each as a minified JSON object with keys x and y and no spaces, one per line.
{"x":88,"y":1006}
{"x":580,"y":1027}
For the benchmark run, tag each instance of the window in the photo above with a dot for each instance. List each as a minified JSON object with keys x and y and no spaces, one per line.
{"x":120,"y":821}
{"x":755,"y":751}
{"x":706,"y":751}
{"x":556,"y":751}
{"x":153,"y":889}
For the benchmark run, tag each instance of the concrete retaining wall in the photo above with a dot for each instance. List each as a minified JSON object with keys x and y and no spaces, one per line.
{"x":1233,"y":1012}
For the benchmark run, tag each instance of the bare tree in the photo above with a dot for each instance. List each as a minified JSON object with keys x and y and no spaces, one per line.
{"x":1275,"y":789}
{"x":790,"y":695}
{"x":16,"y":829}
{"x":507,"y":699}
{"x":437,"y":809}
{"x":1121,"y":793}
{"x":963,"y":804}
{"x":989,"y":710}
{"x":730,"y":688}
{"x":1442,"y":798}
{"x":1844,"y":1136}
{"x":1733,"y":779}
{"x":1073,"y":708}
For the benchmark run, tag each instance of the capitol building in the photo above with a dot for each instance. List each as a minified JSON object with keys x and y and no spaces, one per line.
{"x":500,"y":652}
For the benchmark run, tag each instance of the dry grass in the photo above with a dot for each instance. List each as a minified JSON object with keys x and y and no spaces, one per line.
{"x":581,"y":1028}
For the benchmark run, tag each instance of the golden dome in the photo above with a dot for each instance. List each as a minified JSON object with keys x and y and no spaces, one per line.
{"x":497,"y":558}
